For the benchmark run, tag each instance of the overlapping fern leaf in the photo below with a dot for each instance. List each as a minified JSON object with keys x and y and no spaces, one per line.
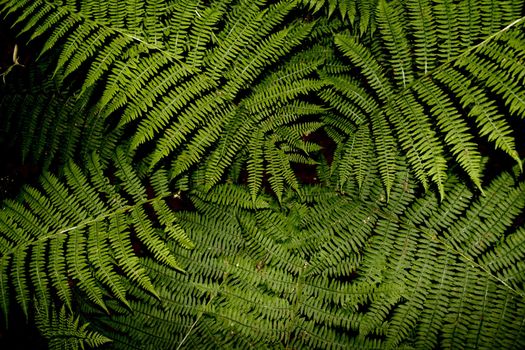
{"x":439,"y":77}
{"x":85,"y":234}
{"x":65,"y":331}
{"x":138,"y":100}
{"x":335,"y":271}
{"x":44,"y":123}
{"x":216,"y":74}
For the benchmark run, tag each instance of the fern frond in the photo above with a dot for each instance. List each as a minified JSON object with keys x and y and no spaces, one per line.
{"x":490,"y":123}
{"x":391,"y":23}
{"x":65,"y":331}
{"x":469,"y":68}
{"x":385,"y":150}
{"x":69,"y":219}
{"x":255,"y":164}
{"x":356,"y":157}
{"x":362,"y":57}
{"x":425,"y":35}
{"x":447,"y":28}
{"x":312,"y":268}
{"x":456,"y":130}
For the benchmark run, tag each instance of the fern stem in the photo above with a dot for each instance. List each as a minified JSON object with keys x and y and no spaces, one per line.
{"x":198,"y":318}
{"x":93,"y":220}
{"x":433,"y":236}
{"x":444,"y":65}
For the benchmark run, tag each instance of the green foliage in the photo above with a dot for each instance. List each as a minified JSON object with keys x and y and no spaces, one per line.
{"x":74,"y":234}
{"x":311,"y":272}
{"x":64,"y":331}
{"x":267,"y":174}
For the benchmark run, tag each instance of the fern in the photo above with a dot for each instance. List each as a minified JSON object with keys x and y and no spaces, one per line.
{"x":267,"y":279}
{"x":65,"y":332}
{"x":406,"y":99}
{"x":84,"y":224}
{"x":266,"y":174}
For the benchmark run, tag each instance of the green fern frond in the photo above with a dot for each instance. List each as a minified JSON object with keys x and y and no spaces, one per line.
{"x":391,"y":23}
{"x":424,"y":28}
{"x":357,"y":156}
{"x":397,"y":90}
{"x":271,"y":267}
{"x":488,"y":119}
{"x":65,"y":331}
{"x":255,"y":164}
{"x":72,"y":218}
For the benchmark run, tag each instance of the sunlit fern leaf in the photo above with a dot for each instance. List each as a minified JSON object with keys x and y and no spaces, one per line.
{"x":177,"y":24}
{"x":202,"y":33}
{"x":420,"y":265}
{"x":145,"y":74}
{"x":173,"y":230}
{"x":252,"y":266}
{"x":415,"y":130}
{"x":100,"y":257}
{"x":276,"y":165}
{"x":263,"y":248}
{"x":362,"y":57}
{"x":87,"y":35}
{"x":419,"y":141}
{"x":226,"y":194}
{"x":507,"y":52}
{"x":33,"y":12}
{"x":105,"y":59}
{"x":367,"y":20}
{"x":504,"y":260}
{"x":19,"y":279}
{"x":499,"y":198}
{"x":468,"y":18}
{"x":358,"y":13}
{"x":251,"y":64}
{"x":314,"y":4}
{"x":294,"y":136}
{"x":190,"y":120}
{"x":153,"y":27}
{"x":357,"y":103}
{"x":255,"y":164}
{"x":447,"y":28}
{"x":128,"y":80}
{"x":220,"y":97}
{"x":357,"y":156}
{"x":385,"y":149}
{"x":250,"y":38}
{"x":222,"y":156}
{"x":500,"y":83}
{"x":456,"y":130}
{"x":262,"y":110}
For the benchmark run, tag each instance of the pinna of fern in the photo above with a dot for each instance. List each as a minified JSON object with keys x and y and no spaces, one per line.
{"x":179,"y":105}
{"x":217,"y":99}
{"x":311,"y":275}
{"x":208,"y":96}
